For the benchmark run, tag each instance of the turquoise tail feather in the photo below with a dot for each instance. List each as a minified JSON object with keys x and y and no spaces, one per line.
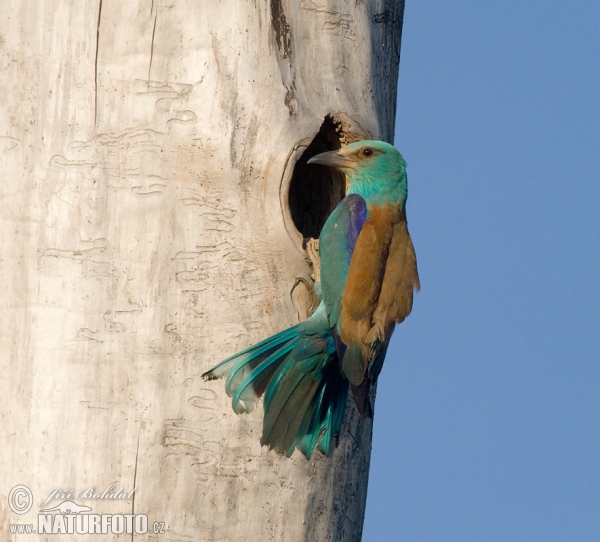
{"x":305,"y":393}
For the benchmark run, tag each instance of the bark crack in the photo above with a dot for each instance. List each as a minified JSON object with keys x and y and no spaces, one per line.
{"x":96,"y":64}
{"x":283,"y":33}
{"x":152,"y":44}
{"x":135,"y":467}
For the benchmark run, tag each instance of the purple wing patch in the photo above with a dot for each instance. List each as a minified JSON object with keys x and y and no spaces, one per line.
{"x":357,"y":208}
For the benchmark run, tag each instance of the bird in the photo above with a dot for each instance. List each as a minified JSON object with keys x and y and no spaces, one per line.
{"x":368,"y":272}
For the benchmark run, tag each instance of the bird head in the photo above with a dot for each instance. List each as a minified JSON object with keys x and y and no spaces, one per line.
{"x":375,"y":169}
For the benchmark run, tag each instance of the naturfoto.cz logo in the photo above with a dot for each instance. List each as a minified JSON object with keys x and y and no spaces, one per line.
{"x":69,"y":517}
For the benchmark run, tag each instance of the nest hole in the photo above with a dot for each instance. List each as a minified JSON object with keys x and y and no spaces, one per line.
{"x":315,"y":190}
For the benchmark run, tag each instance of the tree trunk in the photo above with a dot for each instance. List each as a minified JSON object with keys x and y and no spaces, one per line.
{"x":154,"y":204}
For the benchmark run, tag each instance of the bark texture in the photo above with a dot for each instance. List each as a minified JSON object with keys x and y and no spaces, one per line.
{"x":146,"y":150}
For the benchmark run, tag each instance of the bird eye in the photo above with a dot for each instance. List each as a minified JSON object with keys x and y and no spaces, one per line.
{"x":368,"y":152}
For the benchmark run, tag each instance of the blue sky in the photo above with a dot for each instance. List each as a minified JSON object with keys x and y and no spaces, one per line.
{"x":487,"y":424}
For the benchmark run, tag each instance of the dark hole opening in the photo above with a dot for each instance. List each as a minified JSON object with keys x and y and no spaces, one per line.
{"x":316,"y":190}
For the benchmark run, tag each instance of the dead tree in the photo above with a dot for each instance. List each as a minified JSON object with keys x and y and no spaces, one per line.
{"x":155,"y":207}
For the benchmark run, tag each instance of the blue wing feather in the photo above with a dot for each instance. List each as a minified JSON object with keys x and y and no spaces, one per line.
{"x":338,"y":240}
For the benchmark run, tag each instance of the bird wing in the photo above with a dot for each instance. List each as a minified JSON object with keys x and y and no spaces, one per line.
{"x":336,"y":246}
{"x":379,"y":289}
{"x":368,"y":274}
{"x":400,"y":279}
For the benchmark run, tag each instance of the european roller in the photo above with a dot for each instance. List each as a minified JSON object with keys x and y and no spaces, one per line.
{"x":368,"y":275}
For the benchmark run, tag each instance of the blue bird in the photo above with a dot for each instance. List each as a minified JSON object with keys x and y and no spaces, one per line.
{"x":368,"y":275}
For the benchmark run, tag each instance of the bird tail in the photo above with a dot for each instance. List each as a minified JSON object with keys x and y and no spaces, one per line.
{"x":304,"y":390}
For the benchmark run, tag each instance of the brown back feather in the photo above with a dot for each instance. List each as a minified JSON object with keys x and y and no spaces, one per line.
{"x":379,"y":288}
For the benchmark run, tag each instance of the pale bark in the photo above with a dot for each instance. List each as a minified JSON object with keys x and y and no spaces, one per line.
{"x":146,"y":148}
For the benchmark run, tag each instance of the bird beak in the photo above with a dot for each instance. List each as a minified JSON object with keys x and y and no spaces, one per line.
{"x":333,"y":159}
